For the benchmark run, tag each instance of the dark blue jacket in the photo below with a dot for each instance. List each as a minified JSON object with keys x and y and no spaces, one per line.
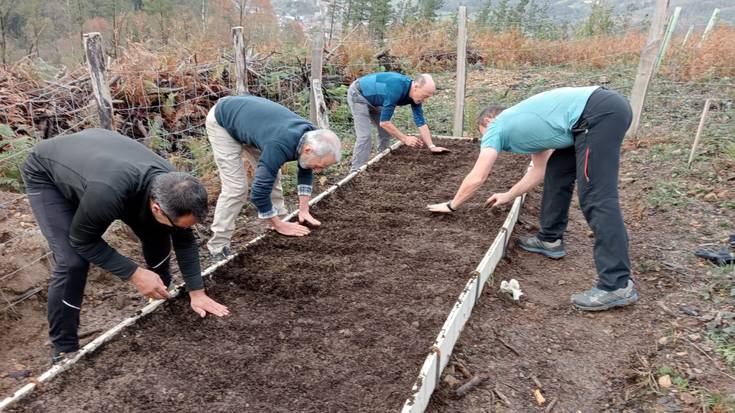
{"x":388,"y":90}
{"x":276,"y":132}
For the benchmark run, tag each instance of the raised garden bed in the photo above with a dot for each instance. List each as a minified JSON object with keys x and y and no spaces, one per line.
{"x":340,"y":320}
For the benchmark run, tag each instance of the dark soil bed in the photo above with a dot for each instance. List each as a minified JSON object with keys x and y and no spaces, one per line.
{"x":340,"y":320}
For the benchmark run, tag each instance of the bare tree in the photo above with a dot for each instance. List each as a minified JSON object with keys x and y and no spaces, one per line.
{"x":241,"y":6}
{"x":204,"y":16}
{"x":6,"y":8}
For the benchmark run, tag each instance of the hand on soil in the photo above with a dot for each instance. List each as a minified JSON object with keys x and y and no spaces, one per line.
{"x":291,"y":229}
{"x":497,"y":200}
{"x":413,"y":142}
{"x":439,"y":150}
{"x":202,"y":304}
{"x":440,"y":208}
{"x":305,"y":217}
{"x":149,"y":284}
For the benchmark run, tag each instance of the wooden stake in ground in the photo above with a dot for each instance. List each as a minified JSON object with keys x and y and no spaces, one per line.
{"x":645,"y":66}
{"x":699,"y":131}
{"x":316,"y":71}
{"x":241,"y":65}
{"x":667,"y":38}
{"x":97,"y":65}
{"x":458,"y":127}
{"x":322,"y":118}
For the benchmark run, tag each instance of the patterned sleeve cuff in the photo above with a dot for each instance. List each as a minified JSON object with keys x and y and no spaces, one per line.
{"x":304,"y":190}
{"x":270,"y":214}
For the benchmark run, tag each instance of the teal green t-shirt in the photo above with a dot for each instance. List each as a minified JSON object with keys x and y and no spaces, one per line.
{"x":541,"y":122}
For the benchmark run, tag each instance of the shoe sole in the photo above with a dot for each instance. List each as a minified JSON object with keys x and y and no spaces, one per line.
{"x":618,"y":303}
{"x":546,"y":253}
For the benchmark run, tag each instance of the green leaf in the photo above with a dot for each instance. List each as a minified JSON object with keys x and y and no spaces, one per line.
{"x":6,"y":131}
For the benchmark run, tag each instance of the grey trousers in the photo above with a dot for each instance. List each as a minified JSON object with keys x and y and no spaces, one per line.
{"x":593,"y":162}
{"x":363,"y":114}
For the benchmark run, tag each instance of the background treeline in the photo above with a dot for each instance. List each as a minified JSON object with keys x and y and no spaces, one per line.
{"x":52,"y":31}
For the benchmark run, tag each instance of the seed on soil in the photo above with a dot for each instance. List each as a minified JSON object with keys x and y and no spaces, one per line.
{"x":664,"y":381}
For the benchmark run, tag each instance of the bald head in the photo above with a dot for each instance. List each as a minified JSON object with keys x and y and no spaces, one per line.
{"x":422,"y":88}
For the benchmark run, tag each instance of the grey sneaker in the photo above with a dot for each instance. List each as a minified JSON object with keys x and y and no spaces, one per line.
{"x":596,"y":299}
{"x":61,"y":356}
{"x":222,"y":254}
{"x":531,"y":243}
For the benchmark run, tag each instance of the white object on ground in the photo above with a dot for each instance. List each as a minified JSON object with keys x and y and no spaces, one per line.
{"x":512,"y":287}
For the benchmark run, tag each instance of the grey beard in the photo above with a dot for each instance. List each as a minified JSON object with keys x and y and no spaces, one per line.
{"x":302,"y":164}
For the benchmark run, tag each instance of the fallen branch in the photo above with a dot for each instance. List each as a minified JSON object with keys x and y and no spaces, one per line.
{"x":470,"y":385}
{"x":501,"y":396}
{"x":508,"y":346}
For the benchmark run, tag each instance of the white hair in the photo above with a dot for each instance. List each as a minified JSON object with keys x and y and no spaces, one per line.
{"x":324,"y":142}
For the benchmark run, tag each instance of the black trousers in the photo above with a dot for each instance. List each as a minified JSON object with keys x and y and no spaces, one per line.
{"x":54,"y":215}
{"x":594,"y":162}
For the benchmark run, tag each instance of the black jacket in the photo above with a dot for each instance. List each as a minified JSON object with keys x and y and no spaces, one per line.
{"x":109,"y":176}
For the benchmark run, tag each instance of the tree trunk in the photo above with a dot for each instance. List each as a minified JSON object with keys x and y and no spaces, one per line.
{"x":2,"y":37}
{"x":204,"y":16}
{"x":331,"y":23}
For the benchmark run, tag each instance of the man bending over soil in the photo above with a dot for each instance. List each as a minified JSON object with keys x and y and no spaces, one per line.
{"x":572,"y":134}
{"x":373,"y":99}
{"x":78,"y":185}
{"x":265,"y":134}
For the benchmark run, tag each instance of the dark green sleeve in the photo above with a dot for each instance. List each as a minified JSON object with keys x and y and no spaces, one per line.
{"x":187,"y":254}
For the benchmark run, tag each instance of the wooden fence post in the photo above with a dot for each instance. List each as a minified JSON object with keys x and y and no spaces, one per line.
{"x":458,"y":127}
{"x":241,"y":65}
{"x":316,"y":71}
{"x":645,"y":66}
{"x":322,"y":118}
{"x":667,"y":38}
{"x":705,"y":111}
{"x":710,"y":25}
{"x":97,"y":65}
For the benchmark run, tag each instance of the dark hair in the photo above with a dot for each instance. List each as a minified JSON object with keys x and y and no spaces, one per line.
{"x":180,"y":194}
{"x":489,"y":112}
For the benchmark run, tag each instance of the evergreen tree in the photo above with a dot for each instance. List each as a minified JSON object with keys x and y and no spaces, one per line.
{"x":428,"y":8}
{"x":380,"y":16}
{"x":161,"y":10}
{"x":600,"y":21}
{"x":483,"y":18}
{"x":498,"y":20}
{"x":7,"y":10}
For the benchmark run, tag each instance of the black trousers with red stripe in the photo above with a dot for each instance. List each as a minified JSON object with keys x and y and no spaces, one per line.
{"x":593,"y":162}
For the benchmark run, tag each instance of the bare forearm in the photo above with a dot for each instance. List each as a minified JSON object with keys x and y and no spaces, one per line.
{"x":304,"y":203}
{"x":530,"y":180}
{"x":469,"y":187}
{"x":425,"y":135}
{"x":392,"y":130}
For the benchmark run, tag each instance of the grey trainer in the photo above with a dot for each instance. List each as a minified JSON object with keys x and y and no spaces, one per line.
{"x":222,"y":255}
{"x":596,"y":299}
{"x":59,"y":357}
{"x":531,"y":243}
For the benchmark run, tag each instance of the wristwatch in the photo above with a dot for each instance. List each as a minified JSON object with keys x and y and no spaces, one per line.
{"x":432,"y":146}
